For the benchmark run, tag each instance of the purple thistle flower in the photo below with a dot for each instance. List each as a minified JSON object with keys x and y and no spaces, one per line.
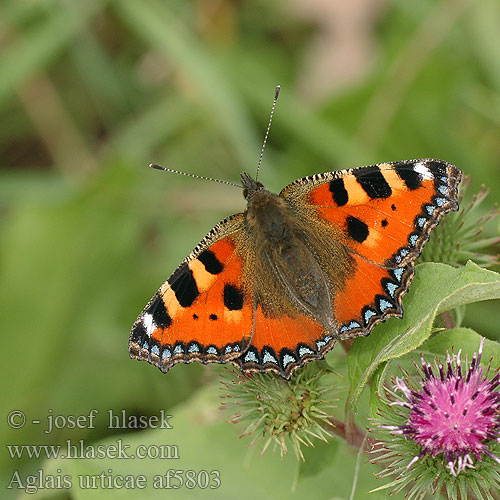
{"x":454,"y":414}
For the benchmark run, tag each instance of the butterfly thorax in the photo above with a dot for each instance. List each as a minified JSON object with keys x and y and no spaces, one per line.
{"x":268,"y":216}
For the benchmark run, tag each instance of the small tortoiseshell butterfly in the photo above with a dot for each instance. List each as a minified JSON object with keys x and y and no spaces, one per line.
{"x":276,"y":286}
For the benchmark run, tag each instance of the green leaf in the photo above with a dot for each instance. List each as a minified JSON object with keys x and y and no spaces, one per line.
{"x":318,"y":457}
{"x":461,"y":338}
{"x":378,"y":380}
{"x":435,"y":288}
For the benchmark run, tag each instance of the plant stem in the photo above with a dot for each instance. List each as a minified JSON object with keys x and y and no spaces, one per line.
{"x":355,"y":437}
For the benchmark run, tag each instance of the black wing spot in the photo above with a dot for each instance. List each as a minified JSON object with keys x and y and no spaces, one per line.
{"x":384,"y":223}
{"x":357,"y":229}
{"x":373,"y":182}
{"x":339,"y":193}
{"x":195,"y":316}
{"x":393,"y":207}
{"x":161,"y":317}
{"x":213,"y":317}
{"x":233,"y":298}
{"x":210,"y":261}
{"x":409,"y":175}
{"x":184,"y":286}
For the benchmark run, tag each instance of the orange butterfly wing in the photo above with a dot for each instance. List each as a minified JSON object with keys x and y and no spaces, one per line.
{"x":283,"y":343}
{"x":385,"y":214}
{"x":201,"y":313}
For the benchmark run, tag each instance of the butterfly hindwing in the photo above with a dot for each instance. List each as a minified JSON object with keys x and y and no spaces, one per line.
{"x":201,"y":313}
{"x":372,"y":294}
{"x":283,"y":343}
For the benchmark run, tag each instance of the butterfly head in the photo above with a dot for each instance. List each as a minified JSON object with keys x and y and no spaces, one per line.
{"x":250,"y":187}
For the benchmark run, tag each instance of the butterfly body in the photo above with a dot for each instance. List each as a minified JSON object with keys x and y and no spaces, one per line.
{"x":273,"y":287}
{"x":290,"y":267}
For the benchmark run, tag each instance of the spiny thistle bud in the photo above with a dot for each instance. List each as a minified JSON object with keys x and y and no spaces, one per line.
{"x":281,"y":411}
{"x":444,"y":432}
{"x":458,"y":238}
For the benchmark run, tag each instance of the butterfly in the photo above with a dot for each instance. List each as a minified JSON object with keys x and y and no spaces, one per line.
{"x":278,"y":285}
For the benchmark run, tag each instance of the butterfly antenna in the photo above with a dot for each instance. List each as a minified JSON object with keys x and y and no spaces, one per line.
{"x":165,"y":169}
{"x":276,"y":93}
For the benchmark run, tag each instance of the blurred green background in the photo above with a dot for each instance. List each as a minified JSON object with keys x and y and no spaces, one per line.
{"x":91,"y":92}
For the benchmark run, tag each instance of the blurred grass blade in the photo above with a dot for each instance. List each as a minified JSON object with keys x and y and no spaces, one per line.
{"x":157,"y":25}
{"x":36,"y":47}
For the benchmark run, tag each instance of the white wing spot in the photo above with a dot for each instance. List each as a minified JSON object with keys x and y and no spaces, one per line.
{"x":423,"y":171}
{"x":149,"y":324}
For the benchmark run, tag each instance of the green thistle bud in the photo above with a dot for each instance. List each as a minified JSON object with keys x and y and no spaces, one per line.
{"x":284,"y":412}
{"x":458,"y":238}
